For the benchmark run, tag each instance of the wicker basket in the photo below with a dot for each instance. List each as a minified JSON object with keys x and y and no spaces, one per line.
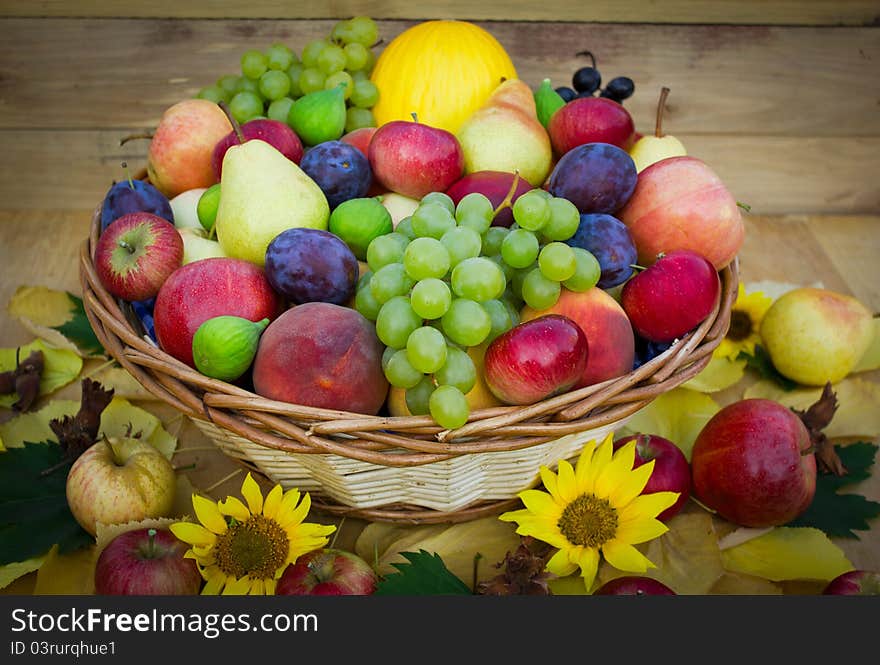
{"x":399,"y":469}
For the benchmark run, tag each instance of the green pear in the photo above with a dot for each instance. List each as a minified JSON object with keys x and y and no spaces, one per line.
{"x":264,"y":193}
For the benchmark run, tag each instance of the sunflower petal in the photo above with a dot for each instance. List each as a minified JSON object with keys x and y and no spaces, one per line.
{"x":582,"y":468}
{"x":541,"y":503}
{"x":566,"y":483}
{"x":625,"y":557}
{"x":601,"y":458}
{"x":234,"y":508}
{"x":560,"y":564}
{"x":548,"y":478}
{"x":192,"y":533}
{"x":616,"y":471}
{"x":238,"y":587}
{"x":272,"y":502}
{"x":292,"y":516}
{"x":209,"y":514}
{"x":647,"y":505}
{"x":215,"y":581}
{"x":588,"y":562}
{"x":640,"y":531}
{"x":252,"y":494}
{"x":257,"y":588}
{"x":630,"y":484}
{"x":270,"y":586}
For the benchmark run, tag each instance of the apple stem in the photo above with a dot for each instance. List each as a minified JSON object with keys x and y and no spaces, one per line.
{"x":475,"y":579}
{"x":126,"y":246}
{"x":508,"y":199}
{"x":151,"y":545}
{"x":415,"y":116}
{"x":131,"y":137}
{"x":232,"y":121}
{"x":661,"y":105}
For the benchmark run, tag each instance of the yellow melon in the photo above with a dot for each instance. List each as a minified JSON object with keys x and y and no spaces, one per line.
{"x":441,"y":70}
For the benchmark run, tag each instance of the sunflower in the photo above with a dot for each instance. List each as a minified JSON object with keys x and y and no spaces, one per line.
{"x":745,"y":324}
{"x":594,"y":508}
{"x":243,"y":549}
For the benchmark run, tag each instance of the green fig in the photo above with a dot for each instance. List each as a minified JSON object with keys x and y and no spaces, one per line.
{"x":224,"y":346}
{"x":547,"y":102}
{"x":319,"y":116}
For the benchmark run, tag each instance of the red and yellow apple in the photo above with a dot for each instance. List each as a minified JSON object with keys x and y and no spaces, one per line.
{"x":328,"y":572}
{"x":590,"y":120}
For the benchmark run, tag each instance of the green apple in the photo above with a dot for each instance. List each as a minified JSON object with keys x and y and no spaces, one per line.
{"x":652,"y":148}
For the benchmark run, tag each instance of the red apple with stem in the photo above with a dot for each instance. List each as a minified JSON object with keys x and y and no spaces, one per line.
{"x":146,"y":562}
{"x":854,"y":583}
{"x":274,"y":132}
{"x":136,"y":254}
{"x":414,"y":159}
{"x":328,"y":572}
{"x":672,"y":472}
{"x":634,"y":585}
{"x":590,"y":120}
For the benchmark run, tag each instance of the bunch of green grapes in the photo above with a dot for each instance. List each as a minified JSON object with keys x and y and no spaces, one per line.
{"x":445,"y":280}
{"x":272,"y":79}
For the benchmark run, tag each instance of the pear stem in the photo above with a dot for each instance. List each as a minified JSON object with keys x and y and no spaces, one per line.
{"x":508,"y":199}
{"x":415,"y":116}
{"x":128,"y":174}
{"x":232,"y":121}
{"x":661,"y":105}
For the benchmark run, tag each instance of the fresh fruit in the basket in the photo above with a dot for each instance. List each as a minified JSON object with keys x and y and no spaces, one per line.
{"x":607,"y":329}
{"x":413,"y":158}
{"x":754,"y":465}
{"x":586,"y":80}
{"x":146,"y":562}
{"x":264,"y":193}
{"x":224,"y":346}
{"x":672,"y":471}
{"x":307,"y":265}
{"x":203,"y":289}
{"x":360,"y":139}
{"x":590,"y":120}
{"x":681,"y":203}
{"x":119,"y":480}
{"x":536,"y":359}
{"x":328,"y":572}
{"x":319,"y":116}
{"x":634,"y":585}
{"x":618,"y":89}
{"x":505,"y":135}
{"x":816,"y":335}
{"x":547,"y":102}
{"x":340,"y":170}
{"x":184,"y":208}
{"x":596,"y":177}
{"x":672,"y":296}
{"x":322,"y":355}
{"x":854,"y":583}
{"x":207,"y":206}
{"x":197,"y":245}
{"x":646,"y":350}
{"x":357,"y":221}
{"x":441,"y":70}
{"x":609,"y":241}
{"x":495,"y":185}
{"x":182,"y":145}
{"x":654,"y":147}
{"x":132,"y":195}
{"x":143,"y":310}
{"x":398,"y":206}
{"x":136,"y":254}
{"x":274,"y":132}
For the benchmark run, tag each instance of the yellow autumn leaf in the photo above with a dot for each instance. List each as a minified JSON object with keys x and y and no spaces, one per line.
{"x":60,"y":367}
{"x":70,"y":574}
{"x":736,"y":584}
{"x":572,"y":585}
{"x":719,"y":374}
{"x":122,"y":382}
{"x":871,"y":359}
{"x":40,"y":310}
{"x":12,"y":571}
{"x":33,"y":426}
{"x":677,"y":415}
{"x":788,"y":553}
{"x":858,"y":412}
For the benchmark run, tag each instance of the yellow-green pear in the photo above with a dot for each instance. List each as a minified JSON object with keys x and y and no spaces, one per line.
{"x":264,"y":193}
{"x":652,"y":148}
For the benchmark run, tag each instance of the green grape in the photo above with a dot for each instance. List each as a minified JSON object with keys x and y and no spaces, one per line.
{"x":430,"y":298}
{"x":311,"y":80}
{"x":426,"y":257}
{"x":311,"y":51}
{"x":371,"y":62}
{"x":253,"y":64}
{"x":356,"y":117}
{"x":499,"y":313}
{"x":359,"y":75}
{"x":475,"y":204}
{"x":531,"y":210}
{"x":385,"y":249}
{"x":426,"y":349}
{"x":389,"y":281}
{"x":538,"y":292}
{"x":492,"y":239}
{"x":366,"y":303}
{"x":339,"y":78}
{"x":556,"y":261}
{"x":439,"y":197}
{"x":274,"y":84}
{"x":404,"y":227}
{"x":478,"y":279}
{"x":564,"y":220}
{"x":331,"y":59}
{"x":248,"y":85}
{"x":587,"y":271}
{"x":245,"y":106}
{"x":432,"y":220}
{"x":505,"y":268}
{"x":364,"y":94}
{"x":458,"y":370}
{"x":466,"y":322}
{"x":363,"y":30}
{"x":213,"y":93}
{"x":356,"y":56}
{"x":520,"y":248}
{"x":396,"y":321}
{"x":279,"y":109}
{"x":449,"y":407}
{"x":462,"y":243}
{"x":418,"y":396}
{"x":400,"y":372}
{"x":386,"y":355}
{"x":476,"y":223}
{"x":229,"y":83}
{"x":279,"y":56}
{"x":341,"y":32}
{"x":293,"y":73}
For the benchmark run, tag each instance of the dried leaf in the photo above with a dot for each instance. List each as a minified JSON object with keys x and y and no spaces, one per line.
{"x":678,"y":415}
{"x":123,"y":384}
{"x":719,"y":374}
{"x":12,"y":571}
{"x":78,"y":433}
{"x":55,"y":316}
{"x":70,"y":574}
{"x":523,"y":571}
{"x":871,"y":359}
{"x":60,"y":367}
{"x":741,"y":535}
{"x":23,"y":381}
{"x":34,"y":426}
{"x":571,"y":585}
{"x":735,"y":584}
{"x":788,"y":553}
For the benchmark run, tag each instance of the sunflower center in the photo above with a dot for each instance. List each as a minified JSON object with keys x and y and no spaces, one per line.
{"x":740,"y":326}
{"x":588,"y":521}
{"x":256,"y":547}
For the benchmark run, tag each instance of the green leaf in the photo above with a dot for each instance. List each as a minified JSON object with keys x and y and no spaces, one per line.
{"x":841,"y":515}
{"x":424,"y":575}
{"x":761,"y":363}
{"x":34,"y":514}
{"x":79,"y":331}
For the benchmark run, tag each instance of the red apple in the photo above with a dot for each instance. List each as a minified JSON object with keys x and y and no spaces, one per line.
{"x":146,"y":562}
{"x":634,"y":585}
{"x":494,"y":185}
{"x":536,"y":359}
{"x":274,"y":132}
{"x":414,"y":159}
{"x":671,"y":473}
{"x":206,"y":288}
{"x":854,"y":583}
{"x":327,"y":572}
{"x":671,"y":296}
{"x":360,"y":139}
{"x":136,"y":254}
{"x":753,"y":464}
{"x":590,"y":120}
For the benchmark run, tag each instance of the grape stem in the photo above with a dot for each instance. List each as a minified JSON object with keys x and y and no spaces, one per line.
{"x":131,"y":137}
{"x":661,"y":105}
{"x":232,"y":121}
{"x":508,"y":199}
{"x":590,"y":55}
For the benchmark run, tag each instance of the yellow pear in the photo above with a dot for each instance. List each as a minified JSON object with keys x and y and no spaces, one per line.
{"x":650,"y":149}
{"x":506,"y":135}
{"x":264,"y":193}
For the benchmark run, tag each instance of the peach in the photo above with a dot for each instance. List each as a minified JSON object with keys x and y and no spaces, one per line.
{"x":610,"y":337}
{"x":680,"y":203}
{"x":322,"y":355}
